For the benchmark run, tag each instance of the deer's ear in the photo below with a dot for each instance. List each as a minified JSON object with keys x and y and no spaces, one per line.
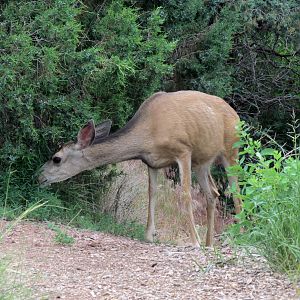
{"x":86,"y":135}
{"x":103,"y":129}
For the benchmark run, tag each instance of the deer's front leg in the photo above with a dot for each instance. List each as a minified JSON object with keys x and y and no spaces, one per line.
{"x":150,"y":231}
{"x":184,"y":163}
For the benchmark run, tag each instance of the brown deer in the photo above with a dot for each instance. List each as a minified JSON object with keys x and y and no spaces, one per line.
{"x":189,"y":128}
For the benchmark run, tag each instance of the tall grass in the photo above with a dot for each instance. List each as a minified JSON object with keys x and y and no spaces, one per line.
{"x":90,"y":201}
{"x":11,"y":287}
{"x":270,"y":219}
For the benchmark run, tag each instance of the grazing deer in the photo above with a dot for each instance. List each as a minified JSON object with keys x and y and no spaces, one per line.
{"x":189,"y":128}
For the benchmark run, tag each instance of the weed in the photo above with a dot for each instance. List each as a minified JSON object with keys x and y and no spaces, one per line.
{"x":61,"y":237}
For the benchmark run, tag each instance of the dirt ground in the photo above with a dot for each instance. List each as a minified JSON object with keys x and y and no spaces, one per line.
{"x":102,"y":266}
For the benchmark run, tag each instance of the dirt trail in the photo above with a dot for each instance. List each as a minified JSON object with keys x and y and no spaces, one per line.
{"x":101,"y":266}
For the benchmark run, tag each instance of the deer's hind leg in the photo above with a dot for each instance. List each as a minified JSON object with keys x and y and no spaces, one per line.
{"x":184,"y":164}
{"x":210,"y":191}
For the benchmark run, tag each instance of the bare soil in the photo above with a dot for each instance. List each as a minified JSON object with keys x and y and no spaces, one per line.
{"x":102,"y":266}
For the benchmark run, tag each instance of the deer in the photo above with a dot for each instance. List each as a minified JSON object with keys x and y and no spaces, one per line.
{"x":189,"y":128}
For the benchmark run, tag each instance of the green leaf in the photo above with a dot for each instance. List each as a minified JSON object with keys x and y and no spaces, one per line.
{"x":267,"y":151}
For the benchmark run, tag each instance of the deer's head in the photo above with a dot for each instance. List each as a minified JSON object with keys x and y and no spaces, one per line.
{"x":70,"y":159}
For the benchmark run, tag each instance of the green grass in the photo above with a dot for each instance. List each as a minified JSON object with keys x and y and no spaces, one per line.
{"x":74,"y":210}
{"x":80,"y":218}
{"x":108,"y":224}
{"x":11,"y":287}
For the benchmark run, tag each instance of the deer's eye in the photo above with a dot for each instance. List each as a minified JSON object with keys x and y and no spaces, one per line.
{"x":56,"y":159}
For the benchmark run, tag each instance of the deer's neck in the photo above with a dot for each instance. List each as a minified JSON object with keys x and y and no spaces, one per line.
{"x":113,"y":149}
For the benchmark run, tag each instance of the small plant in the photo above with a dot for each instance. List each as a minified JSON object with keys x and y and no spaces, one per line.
{"x":61,"y":237}
{"x":270,"y":219}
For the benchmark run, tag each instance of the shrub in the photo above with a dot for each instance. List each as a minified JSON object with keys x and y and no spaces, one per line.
{"x":271,"y":202}
{"x":63,"y":63}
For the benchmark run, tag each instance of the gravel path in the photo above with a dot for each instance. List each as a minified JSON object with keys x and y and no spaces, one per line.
{"x":102,"y":266}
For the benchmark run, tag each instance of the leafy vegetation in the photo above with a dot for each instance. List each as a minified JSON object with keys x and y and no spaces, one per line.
{"x":271,"y":202}
{"x":62,"y":63}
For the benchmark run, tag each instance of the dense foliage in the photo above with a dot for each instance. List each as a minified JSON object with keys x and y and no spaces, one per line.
{"x":245,"y":51}
{"x":63,"y":63}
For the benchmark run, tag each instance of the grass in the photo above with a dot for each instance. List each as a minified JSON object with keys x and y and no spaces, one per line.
{"x":98,"y":222}
{"x":11,"y":287}
{"x":81,"y":207}
{"x":108,"y":224}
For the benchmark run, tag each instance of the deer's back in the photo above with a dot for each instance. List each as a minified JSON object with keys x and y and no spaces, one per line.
{"x":174,"y":123}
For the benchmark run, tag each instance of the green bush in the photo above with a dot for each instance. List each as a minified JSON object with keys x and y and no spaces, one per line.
{"x":63,"y":63}
{"x":270,"y":218}
{"x":61,"y":236}
{"x":205,"y":32}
